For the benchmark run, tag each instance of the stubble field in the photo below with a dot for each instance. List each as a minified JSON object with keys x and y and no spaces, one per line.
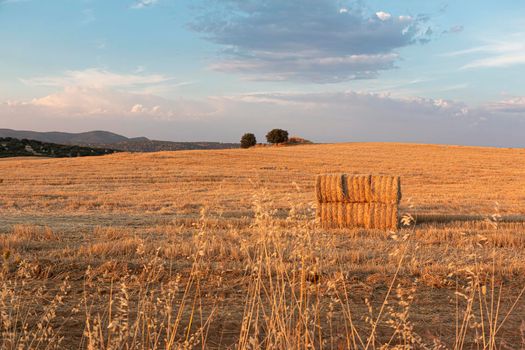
{"x":220,"y":249}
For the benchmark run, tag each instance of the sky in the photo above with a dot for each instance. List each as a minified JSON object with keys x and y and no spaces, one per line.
{"x":447,"y":72}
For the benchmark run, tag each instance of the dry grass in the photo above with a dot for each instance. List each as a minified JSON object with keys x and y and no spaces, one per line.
{"x":219,"y":249}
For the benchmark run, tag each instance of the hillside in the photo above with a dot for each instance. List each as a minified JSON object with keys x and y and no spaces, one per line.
{"x":221,"y":236}
{"x":145,"y":145}
{"x":105,"y":139}
{"x":84,"y":138}
{"x":10,"y":147}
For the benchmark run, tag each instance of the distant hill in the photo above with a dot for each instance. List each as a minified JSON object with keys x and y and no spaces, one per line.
{"x":65,"y":137}
{"x":106,"y":139}
{"x":11,"y":147}
{"x":134,"y":145}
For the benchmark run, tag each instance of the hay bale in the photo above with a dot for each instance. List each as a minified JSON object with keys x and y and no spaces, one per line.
{"x":343,"y":215}
{"x":330,"y":188}
{"x":371,"y":219}
{"x":319,"y":190}
{"x":340,"y":209}
{"x":332,"y":214}
{"x":382,"y":217}
{"x":377,"y":216}
{"x":385,"y":189}
{"x":325,"y":214}
{"x":358,"y":188}
{"x":359,"y":215}
{"x":353,"y":201}
{"x":393,"y":222}
{"x":337,"y":187}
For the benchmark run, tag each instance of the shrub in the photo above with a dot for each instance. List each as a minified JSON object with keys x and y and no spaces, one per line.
{"x":277,"y":136}
{"x":298,"y":140}
{"x":248,"y":140}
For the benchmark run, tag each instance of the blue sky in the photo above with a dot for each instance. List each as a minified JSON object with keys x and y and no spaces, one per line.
{"x":328,"y":70}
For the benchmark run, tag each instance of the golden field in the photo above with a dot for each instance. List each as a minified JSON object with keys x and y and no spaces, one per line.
{"x":220,"y":249}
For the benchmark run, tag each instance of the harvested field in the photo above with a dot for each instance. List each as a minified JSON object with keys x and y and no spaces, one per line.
{"x":220,"y":249}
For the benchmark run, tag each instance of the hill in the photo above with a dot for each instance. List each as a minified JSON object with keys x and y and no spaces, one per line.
{"x":146,"y":145}
{"x":84,"y":138}
{"x":10,"y":147}
{"x":106,"y":139}
{"x":210,"y":239}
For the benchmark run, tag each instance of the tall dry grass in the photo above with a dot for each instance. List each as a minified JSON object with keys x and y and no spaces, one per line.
{"x":293,"y":293}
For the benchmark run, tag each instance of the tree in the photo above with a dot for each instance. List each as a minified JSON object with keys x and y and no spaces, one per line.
{"x":277,"y":136}
{"x":248,"y":140}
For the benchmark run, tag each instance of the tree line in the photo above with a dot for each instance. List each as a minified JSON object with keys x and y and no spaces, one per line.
{"x":273,"y":136}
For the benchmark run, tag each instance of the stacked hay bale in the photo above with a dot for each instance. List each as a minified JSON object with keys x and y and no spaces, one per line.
{"x":367,"y":201}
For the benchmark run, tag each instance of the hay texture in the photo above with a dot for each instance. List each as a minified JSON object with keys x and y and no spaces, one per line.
{"x":362,"y":201}
{"x":358,"y":188}
{"x":330,"y":188}
{"x":385,"y":189}
{"x":353,"y":215}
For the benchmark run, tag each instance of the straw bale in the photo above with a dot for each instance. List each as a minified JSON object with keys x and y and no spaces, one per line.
{"x":340,"y":209}
{"x":325,"y":214}
{"x":330,"y":188}
{"x":382,"y":217}
{"x":358,"y":188}
{"x":352,"y":201}
{"x":345,"y":215}
{"x":385,"y":189}
{"x":393,"y":215}
{"x":318,"y":191}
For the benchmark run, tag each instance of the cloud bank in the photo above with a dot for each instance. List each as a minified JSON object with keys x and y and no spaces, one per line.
{"x":357,"y":116}
{"x":322,"y":117}
{"x":311,"y":41}
{"x":96,"y":92}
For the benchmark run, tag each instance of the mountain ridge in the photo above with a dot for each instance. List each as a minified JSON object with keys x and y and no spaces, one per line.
{"x":107,"y":139}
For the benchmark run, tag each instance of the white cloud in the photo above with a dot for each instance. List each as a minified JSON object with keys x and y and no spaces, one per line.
{"x":506,"y":60}
{"x":85,"y":102}
{"x":99,"y":92}
{"x":497,"y":53}
{"x":384,"y":16}
{"x":510,"y":105}
{"x":143,"y":3}
{"x":138,"y":108}
{"x":98,"y":78}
